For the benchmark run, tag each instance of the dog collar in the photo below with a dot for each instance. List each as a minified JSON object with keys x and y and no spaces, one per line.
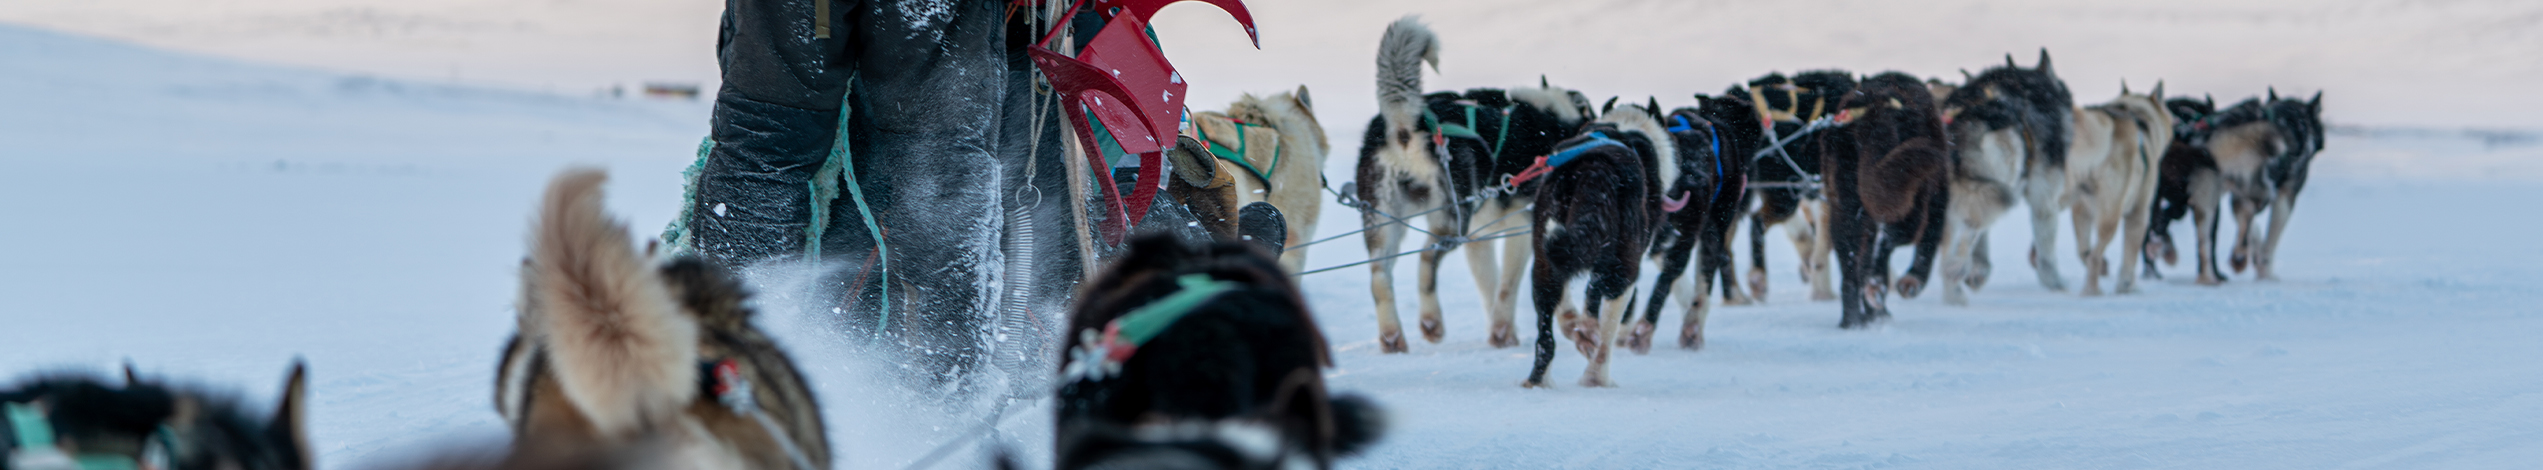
{"x":1099,"y":355}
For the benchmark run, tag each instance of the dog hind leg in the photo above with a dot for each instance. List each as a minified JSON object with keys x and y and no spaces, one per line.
{"x":1383,"y":238}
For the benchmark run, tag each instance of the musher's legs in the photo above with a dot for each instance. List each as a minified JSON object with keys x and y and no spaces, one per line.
{"x":775,"y":120}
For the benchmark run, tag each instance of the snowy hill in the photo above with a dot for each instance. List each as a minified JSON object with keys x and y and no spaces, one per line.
{"x":210,"y":220}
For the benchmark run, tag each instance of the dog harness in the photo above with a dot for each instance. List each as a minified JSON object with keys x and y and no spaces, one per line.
{"x":1237,"y":155}
{"x":1546,"y":164}
{"x":1099,"y":355}
{"x":725,"y":382}
{"x":32,"y":446}
{"x":1719,"y":180}
{"x":1443,"y":131}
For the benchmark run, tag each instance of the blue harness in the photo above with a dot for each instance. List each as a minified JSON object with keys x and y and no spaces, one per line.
{"x":1720,"y":181}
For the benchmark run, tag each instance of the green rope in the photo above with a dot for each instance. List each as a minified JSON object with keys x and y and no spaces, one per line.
{"x":675,"y":238}
{"x":837,"y":167}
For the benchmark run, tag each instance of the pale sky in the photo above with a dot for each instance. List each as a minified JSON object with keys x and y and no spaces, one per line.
{"x":2391,"y":62}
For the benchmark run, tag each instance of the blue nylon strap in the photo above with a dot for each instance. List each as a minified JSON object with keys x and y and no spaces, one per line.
{"x":1596,"y":140}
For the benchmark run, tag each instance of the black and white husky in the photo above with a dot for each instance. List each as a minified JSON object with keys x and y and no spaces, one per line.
{"x":1593,"y":223}
{"x":2009,"y":132}
{"x":1445,"y":155}
{"x":1698,"y":208}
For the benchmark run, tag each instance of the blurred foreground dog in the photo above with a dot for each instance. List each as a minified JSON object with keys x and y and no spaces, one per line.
{"x":76,"y":422}
{"x":615,"y":351}
{"x":1201,"y":357}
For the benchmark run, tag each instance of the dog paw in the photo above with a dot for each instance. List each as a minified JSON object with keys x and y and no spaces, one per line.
{"x":2125,"y":288}
{"x":1874,"y":296}
{"x":1596,"y":382}
{"x":1581,"y":330}
{"x":1955,"y":298}
{"x":1822,"y":295}
{"x":1691,"y":338}
{"x":2092,"y":290}
{"x":2238,"y":261}
{"x":1639,"y":338}
{"x":1757,"y":283}
{"x":1392,"y":343}
{"x":1503,"y":336}
{"x":1432,"y":331}
{"x":1535,"y":383}
{"x":1909,"y":286}
{"x":1739,"y":298}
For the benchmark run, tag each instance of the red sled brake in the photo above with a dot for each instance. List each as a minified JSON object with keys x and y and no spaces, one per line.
{"x":1122,"y":79}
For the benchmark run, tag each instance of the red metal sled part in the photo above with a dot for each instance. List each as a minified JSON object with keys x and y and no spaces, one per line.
{"x":1123,"y":80}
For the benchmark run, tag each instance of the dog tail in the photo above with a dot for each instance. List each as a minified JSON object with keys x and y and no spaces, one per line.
{"x":621,"y":350}
{"x":1408,"y":44}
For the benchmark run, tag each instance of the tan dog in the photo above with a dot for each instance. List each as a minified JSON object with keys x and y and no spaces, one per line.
{"x":1272,"y":149}
{"x":615,"y":351}
{"x":2110,"y":180}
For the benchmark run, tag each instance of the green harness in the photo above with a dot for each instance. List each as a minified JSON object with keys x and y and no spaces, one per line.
{"x":1446,"y":131}
{"x":1237,"y":155}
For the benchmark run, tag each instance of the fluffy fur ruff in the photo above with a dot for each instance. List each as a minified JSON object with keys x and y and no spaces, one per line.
{"x":611,"y":350}
{"x":623,"y":355}
{"x":1592,"y":223}
{"x":1888,"y":171}
{"x":1236,"y":382}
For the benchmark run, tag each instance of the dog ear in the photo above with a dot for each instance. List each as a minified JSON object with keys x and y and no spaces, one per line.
{"x":2316,"y":104}
{"x":131,"y":378}
{"x":2210,"y":98}
{"x":2273,"y":93}
{"x":2123,"y":87}
{"x":1542,"y":83}
{"x":1303,"y":101}
{"x":290,"y":426}
{"x":1610,"y":106}
{"x":1654,"y":108}
{"x":2158,"y":91}
{"x":1966,"y":76}
{"x":2044,"y":63}
{"x":2008,"y":61}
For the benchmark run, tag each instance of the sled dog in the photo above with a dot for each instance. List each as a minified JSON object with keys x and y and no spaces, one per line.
{"x":2009,"y":132}
{"x":1593,"y":224}
{"x":73,"y":421}
{"x":613,"y":350}
{"x":1445,"y":155}
{"x":1780,"y":181}
{"x":1271,"y":149}
{"x":1697,"y":209}
{"x":2111,"y":167}
{"x":1201,"y":356}
{"x":1888,"y":169}
{"x":2181,"y":163}
{"x":2264,"y":151}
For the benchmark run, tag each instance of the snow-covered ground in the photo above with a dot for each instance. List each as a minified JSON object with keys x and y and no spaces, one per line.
{"x":210,"y":220}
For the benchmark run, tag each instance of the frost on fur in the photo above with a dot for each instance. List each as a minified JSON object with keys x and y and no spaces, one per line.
{"x":622,"y":354}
